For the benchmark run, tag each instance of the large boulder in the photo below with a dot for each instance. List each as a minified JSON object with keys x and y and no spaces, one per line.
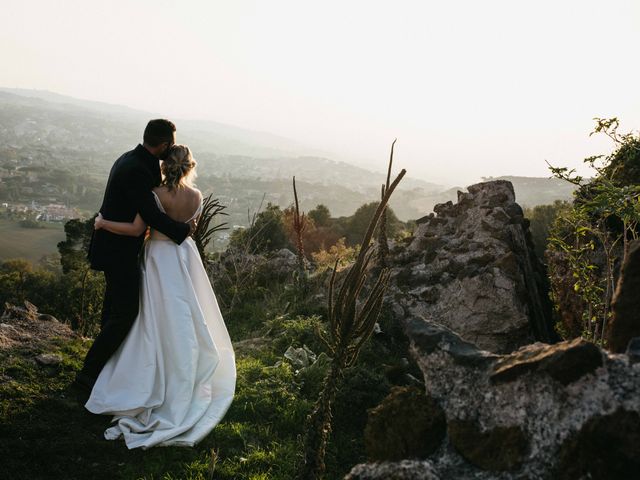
{"x":472,"y":267}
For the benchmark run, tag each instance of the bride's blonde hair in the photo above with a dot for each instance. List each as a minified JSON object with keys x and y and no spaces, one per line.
{"x":179,"y":168}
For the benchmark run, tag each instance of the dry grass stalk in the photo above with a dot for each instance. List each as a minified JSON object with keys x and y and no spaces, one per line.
{"x":204,"y":232}
{"x":299,"y":225}
{"x":350,"y":325}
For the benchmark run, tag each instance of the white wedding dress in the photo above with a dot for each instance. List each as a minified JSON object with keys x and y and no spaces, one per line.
{"x":173,"y":377}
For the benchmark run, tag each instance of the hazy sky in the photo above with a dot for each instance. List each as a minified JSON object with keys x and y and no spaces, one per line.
{"x":470,"y":88}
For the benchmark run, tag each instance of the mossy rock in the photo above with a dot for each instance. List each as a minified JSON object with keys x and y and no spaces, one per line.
{"x":498,"y":449}
{"x":407,"y":424}
{"x":606,"y":447}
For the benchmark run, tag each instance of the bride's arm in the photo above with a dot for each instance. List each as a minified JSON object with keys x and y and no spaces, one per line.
{"x":134,"y":229}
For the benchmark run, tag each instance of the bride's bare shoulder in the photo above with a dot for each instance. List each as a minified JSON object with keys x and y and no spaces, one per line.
{"x":195,"y":192}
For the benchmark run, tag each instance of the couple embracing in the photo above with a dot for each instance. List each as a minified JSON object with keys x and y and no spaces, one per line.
{"x":163,"y":364}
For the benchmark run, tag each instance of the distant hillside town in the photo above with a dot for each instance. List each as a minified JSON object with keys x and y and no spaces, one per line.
{"x":52,"y":212}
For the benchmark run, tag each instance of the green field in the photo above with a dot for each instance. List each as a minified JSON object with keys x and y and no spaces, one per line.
{"x":29,"y":243}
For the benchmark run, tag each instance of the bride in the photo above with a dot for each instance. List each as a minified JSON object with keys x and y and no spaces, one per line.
{"x":173,"y":378}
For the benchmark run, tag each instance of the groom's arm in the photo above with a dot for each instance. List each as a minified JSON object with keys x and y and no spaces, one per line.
{"x":138,"y":191}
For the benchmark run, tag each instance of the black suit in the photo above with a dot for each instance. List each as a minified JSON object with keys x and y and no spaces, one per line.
{"x":128,"y":192}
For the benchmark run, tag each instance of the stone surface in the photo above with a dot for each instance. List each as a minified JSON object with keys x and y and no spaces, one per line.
{"x":625,"y":305}
{"x":568,"y":410}
{"x":49,"y":359}
{"x":566,"y":362}
{"x":404,"y":470}
{"x":606,"y":447}
{"x":430,"y":337}
{"x":499,"y":448}
{"x":23,"y":326}
{"x":407,"y":424}
{"x":283,"y":261}
{"x":236,"y":266}
{"x":472,"y":268}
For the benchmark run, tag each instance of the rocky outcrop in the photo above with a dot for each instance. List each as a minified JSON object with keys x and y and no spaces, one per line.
{"x":473,"y":300}
{"x":472,"y":267}
{"x":625,"y":305}
{"x":565,"y":411}
{"x":235,"y":264}
{"x":29,"y":329}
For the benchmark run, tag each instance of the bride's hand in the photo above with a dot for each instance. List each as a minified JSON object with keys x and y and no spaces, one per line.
{"x":97,"y":224}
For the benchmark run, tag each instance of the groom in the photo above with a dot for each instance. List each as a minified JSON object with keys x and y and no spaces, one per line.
{"x":128,"y":192}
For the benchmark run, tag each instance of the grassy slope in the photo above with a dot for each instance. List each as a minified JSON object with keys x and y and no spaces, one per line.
{"x":44,"y":434}
{"x":29,"y":243}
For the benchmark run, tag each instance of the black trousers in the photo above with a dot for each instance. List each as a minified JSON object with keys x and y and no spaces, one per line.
{"x":119,"y":310}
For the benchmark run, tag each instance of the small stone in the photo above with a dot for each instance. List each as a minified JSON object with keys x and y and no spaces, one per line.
{"x":49,"y":359}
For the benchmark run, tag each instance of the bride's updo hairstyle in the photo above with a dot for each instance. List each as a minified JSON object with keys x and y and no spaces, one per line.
{"x":179,"y":168}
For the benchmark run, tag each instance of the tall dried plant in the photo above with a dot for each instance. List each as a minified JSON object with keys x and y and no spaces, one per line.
{"x":299,"y":225}
{"x":211,"y":207}
{"x":350,"y":325}
{"x":383,"y":245}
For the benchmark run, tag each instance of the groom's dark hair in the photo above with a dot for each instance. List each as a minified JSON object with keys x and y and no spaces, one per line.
{"x":158,"y":131}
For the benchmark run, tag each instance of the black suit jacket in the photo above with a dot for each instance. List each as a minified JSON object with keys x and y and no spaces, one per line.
{"x":128,"y":192}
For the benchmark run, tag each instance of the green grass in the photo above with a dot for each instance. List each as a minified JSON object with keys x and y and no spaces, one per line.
{"x":45,"y":434}
{"x":28,"y":243}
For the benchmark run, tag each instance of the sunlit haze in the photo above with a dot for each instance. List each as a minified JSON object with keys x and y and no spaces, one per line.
{"x":469,"y":88}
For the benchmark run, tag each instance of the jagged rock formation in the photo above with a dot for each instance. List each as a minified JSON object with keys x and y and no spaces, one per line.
{"x":472,"y":268}
{"x":625,"y":305}
{"x":563,"y":411}
{"x":472,"y":298}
